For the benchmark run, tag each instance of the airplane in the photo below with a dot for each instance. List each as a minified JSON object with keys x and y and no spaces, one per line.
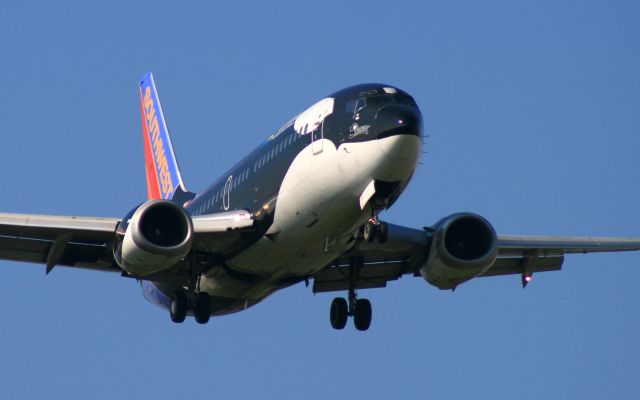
{"x":304,"y":205}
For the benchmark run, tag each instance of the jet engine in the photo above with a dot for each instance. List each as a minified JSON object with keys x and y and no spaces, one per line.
{"x":153,"y":237}
{"x":463,"y":246}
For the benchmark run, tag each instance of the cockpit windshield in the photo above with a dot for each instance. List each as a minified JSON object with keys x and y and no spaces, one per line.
{"x":376,"y":101}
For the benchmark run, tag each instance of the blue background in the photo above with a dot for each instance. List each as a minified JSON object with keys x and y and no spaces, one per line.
{"x":532,"y":115}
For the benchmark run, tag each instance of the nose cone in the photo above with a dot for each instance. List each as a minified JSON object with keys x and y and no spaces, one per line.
{"x":399,"y":137}
{"x":398,"y":119}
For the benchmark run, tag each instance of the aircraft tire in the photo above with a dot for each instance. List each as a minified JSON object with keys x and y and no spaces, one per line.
{"x":338,"y":313}
{"x":178,"y":308}
{"x":368,"y":232}
{"x":383,"y":232}
{"x":362,"y":314}
{"x":202,"y":308}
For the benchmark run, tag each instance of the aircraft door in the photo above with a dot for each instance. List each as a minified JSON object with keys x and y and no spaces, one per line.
{"x":316,"y":139}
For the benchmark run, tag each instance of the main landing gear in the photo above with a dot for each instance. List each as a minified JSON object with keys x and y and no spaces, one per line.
{"x":199,"y":303}
{"x":374,"y":229}
{"x":359,"y":309}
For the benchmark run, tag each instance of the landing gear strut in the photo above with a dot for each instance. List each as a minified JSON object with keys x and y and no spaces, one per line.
{"x":191,"y":299}
{"x":359,"y":309}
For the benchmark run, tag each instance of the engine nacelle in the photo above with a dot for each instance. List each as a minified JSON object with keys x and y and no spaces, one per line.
{"x":464,"y":246}
{"x":153,"y":237}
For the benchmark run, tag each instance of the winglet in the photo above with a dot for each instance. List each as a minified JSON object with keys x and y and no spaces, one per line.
{"x":163,"y":174}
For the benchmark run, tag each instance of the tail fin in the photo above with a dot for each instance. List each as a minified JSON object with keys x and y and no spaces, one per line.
{"x":163,"y":174}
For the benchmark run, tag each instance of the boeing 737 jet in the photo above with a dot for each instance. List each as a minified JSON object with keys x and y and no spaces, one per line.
{"x":303,"y":206}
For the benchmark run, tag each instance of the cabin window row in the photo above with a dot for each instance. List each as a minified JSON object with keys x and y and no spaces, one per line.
{"x":275,"y":150}
{"x":239,"y":179}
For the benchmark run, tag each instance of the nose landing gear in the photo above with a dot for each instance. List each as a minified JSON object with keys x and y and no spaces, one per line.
{"x":359,"y":309}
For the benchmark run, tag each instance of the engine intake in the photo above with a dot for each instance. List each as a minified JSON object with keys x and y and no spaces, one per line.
{"x":463,"y":246}
{"x":153,"y":237}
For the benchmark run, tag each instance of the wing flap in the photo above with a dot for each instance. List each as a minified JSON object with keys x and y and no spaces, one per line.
{"x":516,"y":265}
{"x":370,"y":276}
{"x":74,"y":255}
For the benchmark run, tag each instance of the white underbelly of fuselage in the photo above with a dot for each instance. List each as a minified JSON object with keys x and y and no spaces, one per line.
{"x":318,"y":210}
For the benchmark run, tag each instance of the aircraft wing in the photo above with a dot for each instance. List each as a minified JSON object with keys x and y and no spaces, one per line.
{"x":84,"y":242}
{"x":87,"y":242}
{"x":406,"y":251}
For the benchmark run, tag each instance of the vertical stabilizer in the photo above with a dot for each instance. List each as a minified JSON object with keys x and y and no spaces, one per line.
{"x":163,"y":174}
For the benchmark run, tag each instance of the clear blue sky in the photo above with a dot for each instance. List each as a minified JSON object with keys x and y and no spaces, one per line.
{"x":532,"y":112}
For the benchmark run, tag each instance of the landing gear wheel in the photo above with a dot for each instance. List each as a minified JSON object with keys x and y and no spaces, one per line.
{"x":338,"y":313}
{"x":383,"y":232}
{"x":369,"y":232}
{"x":362,"y":314}
{"x":202,"y":308}
{"x":178,"y":308}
